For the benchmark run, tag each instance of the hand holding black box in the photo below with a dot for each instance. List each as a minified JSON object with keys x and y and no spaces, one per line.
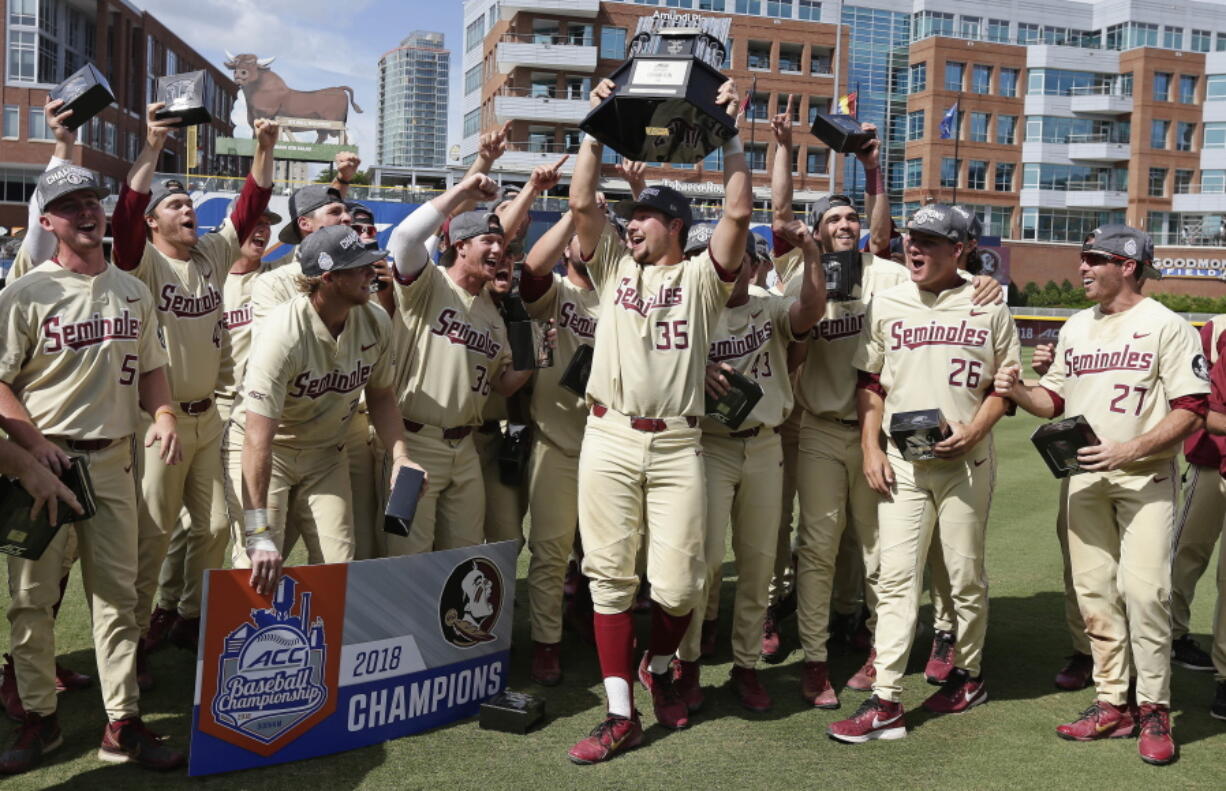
{"x":25,"y":538}
{"x":844,"y":273}
{"x":733,"y":407}
{"x":183,"y":95}
{"x":1058,"y":443}
{"x":402,"y":504}
{"x":86,"y":93}
{"x":916,"y":433}
{"x":841,"y":132}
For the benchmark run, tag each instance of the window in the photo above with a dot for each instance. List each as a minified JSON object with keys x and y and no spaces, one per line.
{"x":918,"y":79}
{"x":679,"y":3}
{"x":1157,"y":182}
{"x":1183,"y":182}
{"x":1027,"y":33}
{"x":931,"y":23}
{"x":1219,"y":42}
{"x":1006,"y":129}
{"x":749,"y":7}
{"x":12,"y":120}
{"x":1059,"y":178}
{"x":914,"y":173}
{"x":1215,"y":88}
{"x":969,"y":27}
{"x":755,"y":155}
{"x":1064,"y":225}
{"x":1187,"y":89}
{"x":915,"y":125}
{"x":759,"y":55}
{"x":998,"y":30}
{"x":613,"y":43}
{"x":711,"y":5}
{"x":474,"y":33}
{"x":816,"y":105}
{"x":1162,"y":86}
{"x":953,"y":75}
{"x":979,"y":127}
{"x":472,"y":80}
{"x":817,"y":161}
{"x":1172,"y":37}
{"x":1141,"y":34}
{"x":810,"y":9}
{"x":472,"y":123}
{"x":22,"y":47}
{"x":1157,"y":133}
{"x":779,"y":8}
{"x":1004,"y":177}
{"x":36,"y":124}
{"x":1184,"y":132}
{"x":789,"y":57}
{"x":1200,"y":40}
{"x":949,"y":172}
{"x":1215,"y":134}
{"x":976,"y":174}
{"x":713,"y":161}
{"x":109,"y":143}
{"x":1213,"y":181}
{"x":981,"y":79}
{"x":759,"y":108}
{"x":1006,"y":81}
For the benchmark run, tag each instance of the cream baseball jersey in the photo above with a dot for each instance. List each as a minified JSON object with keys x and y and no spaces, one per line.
{"x":826,"y":386}
{"x":239,"y":316}
{"x":753,"y":339}
{"x":275,"y":287}
{"x":1121,"y":370}
{"x":454,"y":345}
{"x":311,"y":382}
{"x":558,"y":413}
{"x":786,"y":265}
{"x":75,"y":346}
{"x":654,"y":331}
{"x":935,"y":351}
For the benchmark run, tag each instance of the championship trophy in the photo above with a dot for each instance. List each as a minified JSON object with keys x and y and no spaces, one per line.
{"x":575,"y":377}
{"x":844,"y":270}
{"x":1059,"y":442}
{"x":86,"y":93}
{"x":23,"y":537}
{"x":184,"y":98}
{"x":915,"y":433}
{"x":841,"y":132}
{"x":734,"y":406}
{"x":663,"y":106}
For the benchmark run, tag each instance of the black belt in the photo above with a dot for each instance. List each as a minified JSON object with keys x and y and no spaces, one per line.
{"x":196,"y":407}
{"x":88,"y":445}
{"x":455,"y":432}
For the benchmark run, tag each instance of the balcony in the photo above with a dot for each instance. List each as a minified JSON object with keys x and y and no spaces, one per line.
{"x":523,"y":156}
{"x":1100,"y":100}
{"x":527,"y":106}
{"x":586,"y":9}
{"x":545,"y":52}
{"x":1197,"y":202}
{"x":1098,"y":148}
{"x":1095,"y":194}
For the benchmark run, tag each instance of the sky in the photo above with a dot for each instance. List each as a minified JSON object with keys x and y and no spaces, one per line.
{"x":318,"y":44}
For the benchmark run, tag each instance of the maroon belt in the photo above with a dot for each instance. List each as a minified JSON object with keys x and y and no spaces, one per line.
{"x":455,"y":432}
{"x":88,"y":445}
{"x":652,"y":425}
{"x":196,"y":407}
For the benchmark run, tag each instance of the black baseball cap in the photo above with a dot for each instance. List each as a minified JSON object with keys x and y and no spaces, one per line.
{"x":661,"y":199}
{"x":304,"y":201}
{"x":333,"y":249}
{"x":699,"y":237}
{"x":824,"y":205}
{"x":974,"y":226}
{"x":937,"y":219}
{"x":65,"y":180}
{"x":1124,"y":241}
{"x":356,"y":208}
{"x":472,"y":223}
{"x":162,"y":191}
{"x":762,"y":248}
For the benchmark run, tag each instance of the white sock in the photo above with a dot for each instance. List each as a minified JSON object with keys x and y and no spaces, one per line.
{"x":659,"y":663}
{"x":617,"y":690}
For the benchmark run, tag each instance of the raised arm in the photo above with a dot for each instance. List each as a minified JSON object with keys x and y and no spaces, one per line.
{"x":491,"y":146}
{"x":782,"y":188}
{"x":140,"y":176}
{"x":876,"y":202}
{"x":262,"y":163}
{"x":39,"y":243}
{"x":808,"y":309}
{"x":344,"y":169}
{"x":543,"y":179}
{"x":257,"y":189}
{"x":407,"y":243}
{"x":727,"y":245}
{"x":548,"y":249}
{"x":585,"y":182}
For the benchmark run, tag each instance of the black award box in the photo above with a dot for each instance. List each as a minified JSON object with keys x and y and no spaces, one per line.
{"x":663,"y":106}
{"x":575,"y":377}
{"x":402,"y":503}
{"x":1058,"y":443}
{"x":844,"y":271}
{"x":25,"y":538}
{"x":734,"y":406}
{"x":915,"y":433}
{"x":86,"y":93}
{"x":530,"y":348}
{"x":511,"y":712}
{"x":841,"y":132}
{"x":184,"y":98}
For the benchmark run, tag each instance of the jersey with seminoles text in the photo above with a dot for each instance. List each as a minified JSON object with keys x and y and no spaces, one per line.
{"x":454,"y":346}
{"x":300,"y":375}
{"x":74,"y":348}
{"x":935,"y":351}
{"x":275,"y":287}
{"x":826,"y":384}
{"x":654,"y":332}
{"x":558,"y":413}
{"x":1121,"y":370}
{"x":239,"y":316}
{"x":753,"y":339}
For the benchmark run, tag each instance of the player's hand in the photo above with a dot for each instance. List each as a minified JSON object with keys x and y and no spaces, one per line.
{"x":1106,"y":456}
{"x":546,"y":177}
{"x":1006,"y":379}
{"x":987,"y":291}
{"x":494,"y":144}
{"x":795,"y":232}
{"x":1044,"y":356}
{"x":346,"y":165}
{"x":716,"y":383}
{"x":51,"y":456}
{"x":165,"y":431}
{"x":603,"y":90}
{"x":266,"y":131}
{"x":46,"y":489}
{"x":383,"y":273}
{"x":728,"y":98}
{"x":781,"y":125}
{"x":479,"y":187}
{"x":870,"y":155}
{"x":157,"y":130}
{"x":963,"y":437}
{"x":56,"y":120}
{"x":404,"y":461}
{"x":635,"y":174}
{"x":551,"y":335}
{"x":879,"y":473}
{"x":265,"y":569}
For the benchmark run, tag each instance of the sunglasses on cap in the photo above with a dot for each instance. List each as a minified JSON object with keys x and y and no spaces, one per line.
{"x":1094,"y":257}
{"x":364,"y":228}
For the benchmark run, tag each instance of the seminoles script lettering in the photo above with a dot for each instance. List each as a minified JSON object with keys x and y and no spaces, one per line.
{"x":186,"y":306}
{"x":583,"y":326}
{"x":1100,"y":360}
{"x":307,"y":385}
{"x":838,"y":328}
{"x":934,"y":334}
{"x":465,"y":334}
{"x":239,"y":317}
{"x":629,"y":298}
{"x":740,"y":345}
{"x":91,"y":332}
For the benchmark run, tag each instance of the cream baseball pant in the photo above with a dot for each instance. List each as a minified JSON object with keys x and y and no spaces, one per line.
{"x":107,"y":546}
{"x":783,"y":579}
{"x":958,"y":494}
{"x":505,"y":506}
{"x":1121,"y":528}
{"x":833,"y":493}
{"x":232,"y":460}
{"x":1202,"y":519}
{"x":635,"y":487}
{"x":744,"y":479}
{"x":451,"y":512}
{"x":194,"y":484}
{"x":554,"y":505}
{"x":367,"y":515}
{"x":847,"y":593}
{"x":1072,"y":611}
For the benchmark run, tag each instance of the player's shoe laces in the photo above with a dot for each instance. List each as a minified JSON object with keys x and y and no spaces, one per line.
{"x":749,"y":689}
{"x":1186,"y":653}
{"x":670,"y":709}
{"x":615,"y":735}
{"x":686,"y":680}
{"x":958,"y":694}
{"x":941,"y":659}
{"x":772,"y":643}
{"x":1102,"y":720}
{"x":815,"y":686}
{"x":1156,"y":745}
{"x":865,"y":677}
{"x":1218,"y":709}
{"x":875,"y":719}
{"x":129,"y":740}
{"x":1077,"y":673}
{"x":36,"y":735}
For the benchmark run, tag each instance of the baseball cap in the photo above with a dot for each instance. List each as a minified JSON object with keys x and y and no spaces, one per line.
{"x":824,"y":205}
{"x":304,"y":201}
{"x":699,"y":237}
{"x":1126,"y":242}
{"x":65,"y":180}
{"x":762,"y":248}
{"x":162,"y":191}
{"x":271,"y":216}
{"x":506,"y":195}
{"x":974,"y":226}
{"x":473,"y":223}
{"x":335,"y":248}
{"x":937,"y":219}
{"x":662,"y":199}
{"x":356,"y":208}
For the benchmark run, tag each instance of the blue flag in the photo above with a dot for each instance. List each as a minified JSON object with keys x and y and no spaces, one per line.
{"x":948,"y":121}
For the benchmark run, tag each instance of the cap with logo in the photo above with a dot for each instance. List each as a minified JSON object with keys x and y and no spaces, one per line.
{"x":473,"y":223}
{"x":824,"y":205}
{"x":333,"y":249}
{"x":506,"y":195}
{"x":661,"y":199}
{"x":699,"y":237}
{"x":974,"y":226}
{"x":1126,"y":242}
{"x":162,"y":191}
{"x":65,"y":180}
{"x":356,"y":208}
{"x":937,"y":219}
{"x":762,"y":248}
{"x":303,"y":202}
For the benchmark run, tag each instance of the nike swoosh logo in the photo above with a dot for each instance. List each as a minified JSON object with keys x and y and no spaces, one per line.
{"x":1158,"y":479}
{"x":879,"y":723}
{"x":127,"y":469}
{"x":371,"y":346}
{"x":755,"y":315}
{"x":979,"y":313}
{"x":981,"y":461}
{"x":1140,"y":334}
{"x":132,"y":299}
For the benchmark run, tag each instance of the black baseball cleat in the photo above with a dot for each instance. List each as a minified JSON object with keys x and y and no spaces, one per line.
{"x":1186,"y":653}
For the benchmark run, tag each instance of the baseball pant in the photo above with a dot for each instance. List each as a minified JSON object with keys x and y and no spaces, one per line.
{"x":637,"y":486}
{"x":943,"y":617}
{"x":451,"y":512}
{"x":1072,"y":611}
{"x":195,"y":483}
{"x":554,"y":505}
{"x":505,"y":506}
{"x":847,"y":593}
{"x":958,"y":494}
{"x":367,"y":515}
{"x":1202,"y":520}
{"x":783,"y":580}
{"x":833,"y":492}
{"x":744,"y":478}
{"x":232,"y":460}
{"x":107,"y":546}
{"x":1121,"y":528}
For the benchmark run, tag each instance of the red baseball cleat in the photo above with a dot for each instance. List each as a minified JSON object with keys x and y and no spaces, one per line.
{"x":1101,"y":720}
{"x":864,"y":678}
{"x":1156,"y":745}
{"x":36,"y":736}
{"x":671,"y":711}
{"x":614,"y":735}
{"x":875,"y":719}
{"x":686,"y":680}
{"x":160,"y":624}
{"x":772,"y":643}
{"x":941,"y":659}
{"x":67,"y":679}
{"x":10,"y":698}
{"x":815,"y":686}
{"x":958,"y":694}
{"x":546,"y":664}
{"x":710,"y":636}
{"x":129,"y":740}
{"x":749,"y":689}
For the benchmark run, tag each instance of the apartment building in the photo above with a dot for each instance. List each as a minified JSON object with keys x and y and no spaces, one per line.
{"x":414,"y":80}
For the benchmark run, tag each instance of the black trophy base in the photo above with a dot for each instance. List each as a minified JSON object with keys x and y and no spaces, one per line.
{"x":662,"y":110}
{"x":844,"y":272}
{"x":578,"y":370}
{"x":915,"y":433}
{"x":529,"y":347}
{"x":841,"y":132}
{"x":514,"y":451}
{"x":733,"y":407}
{"x":188,"y":116}
{"x":28,"y":538}
{"x":512,"y":712}
{"x":86,"y":93}
{"x":1059,"y":442}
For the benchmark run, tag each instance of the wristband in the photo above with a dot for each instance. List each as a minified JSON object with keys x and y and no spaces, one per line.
{"x":255,"y":531}
{"x":340,"y":180}
{"x":165,"y":410}
{"x":734,"y":146}
{"x":587,"y":138}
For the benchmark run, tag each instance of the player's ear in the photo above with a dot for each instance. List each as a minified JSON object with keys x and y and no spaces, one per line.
{"x":675,"y":226}
{"x":151,"y":223}
{"x":44,"y":222}
{"x":958,"y":248}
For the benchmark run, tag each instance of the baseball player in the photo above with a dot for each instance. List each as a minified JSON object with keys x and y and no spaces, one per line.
{"x":316,"y":353}
{"x":1135,"y":371}
{"x":154,"y":229}
{"x":927,"y":345}
{"x":81,"y":354}
{"x":640,"y":466}
{"x":1215,"y":421}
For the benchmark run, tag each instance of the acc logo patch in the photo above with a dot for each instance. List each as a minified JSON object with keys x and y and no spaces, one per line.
{"x":325,"y":262}
{"x":1200,"y":367}
{"x":470,"y":602}
{"x":1130,"y":246}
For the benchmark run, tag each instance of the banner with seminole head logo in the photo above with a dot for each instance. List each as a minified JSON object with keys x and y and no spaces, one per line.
{"x":345,"y":655}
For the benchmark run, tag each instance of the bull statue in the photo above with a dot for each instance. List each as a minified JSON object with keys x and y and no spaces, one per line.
{"x":268,"y":96}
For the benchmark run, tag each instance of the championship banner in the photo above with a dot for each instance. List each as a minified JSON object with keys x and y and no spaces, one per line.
{"x":346,"y":655}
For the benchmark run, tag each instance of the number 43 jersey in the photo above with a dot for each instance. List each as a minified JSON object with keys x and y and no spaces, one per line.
{"x":753,"y":339}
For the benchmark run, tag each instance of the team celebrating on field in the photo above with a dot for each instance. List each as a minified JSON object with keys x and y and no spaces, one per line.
{"x":220,"y":400}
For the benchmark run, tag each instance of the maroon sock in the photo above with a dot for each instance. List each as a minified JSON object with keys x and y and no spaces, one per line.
{"x":615,"y":645}
{"x":667,"y":630}
{"x":55,"y":611}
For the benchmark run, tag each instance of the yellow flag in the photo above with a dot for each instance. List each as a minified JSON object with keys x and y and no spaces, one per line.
{"x":192,"y":150}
